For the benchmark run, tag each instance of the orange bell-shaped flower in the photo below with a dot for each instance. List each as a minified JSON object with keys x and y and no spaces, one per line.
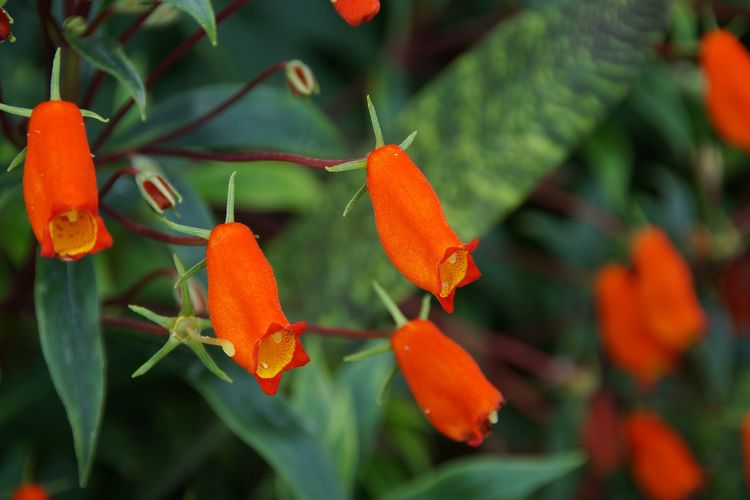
{"x":625,"y":335}
{"x":413,"y":229}
{"x":30,"y":491}
{"x":661,"y":462}
{"x":356,"y":12}
{"x":446,"y":382}
{"x":665,"y":290}
{"x":59,"y":184}
{"x":746,"y":446}
{"x":243,"y":304}
{"x":726,"y":66}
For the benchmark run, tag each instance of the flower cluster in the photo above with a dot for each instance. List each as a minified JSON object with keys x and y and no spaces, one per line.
{"x":650,"y":315}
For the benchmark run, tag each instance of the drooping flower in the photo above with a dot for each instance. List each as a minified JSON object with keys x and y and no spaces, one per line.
{"x":356,"y":12}
{"x":244,"y":307}
{"x":59,"y":184}
{"x":413,"y":229}
{"x":661,"y":462}
{"x":447,"y":383}
{"x":726,"y":67}
{"x":665,"y":290}
{"x":30,"y":491}
{"x":626,"y":337}
{"x":746,"y":446}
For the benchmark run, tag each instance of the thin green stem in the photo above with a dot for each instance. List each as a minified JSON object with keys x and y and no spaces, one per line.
{"x":424,"y":311}
{"x":390,"y":305}
{"x":373,"y":351}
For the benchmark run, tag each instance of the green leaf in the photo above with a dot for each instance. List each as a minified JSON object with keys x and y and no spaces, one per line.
{"x":108,"y":55}
{"x":202,"y":11}
{"x":268,"y":118}
{"x":261,"y":186}
{"x":67,"y":309}
{"x":519,"y":103}
{"x":495,"y":478}
{"x":274,"y":430}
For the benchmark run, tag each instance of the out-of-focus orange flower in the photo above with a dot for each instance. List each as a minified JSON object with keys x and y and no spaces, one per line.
{"x":625,"y":334}
{"x":726,"y":66}
{"x":601,"y":435}
{"x":446,"y":382}
{"x":661,"y":462}
{"x":59,"y":184}
{"x":665,"y":290}
{"x":30,"y":491}
{"x":746,"y":445}
{"x":243,"y":303}
{"x":356,"y":12}
{"x":413,"y":229}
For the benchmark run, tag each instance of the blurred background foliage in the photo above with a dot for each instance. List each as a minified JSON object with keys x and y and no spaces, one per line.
{"x":575,"y":122}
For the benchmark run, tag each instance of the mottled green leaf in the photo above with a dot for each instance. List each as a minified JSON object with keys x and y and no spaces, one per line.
{"x":490,"y":478}
{"x":202,"y":11}
{"x":490,"y":127}
{"x":274,"y":430}
{"x":108,"y":55}
{"x":67,"y":309}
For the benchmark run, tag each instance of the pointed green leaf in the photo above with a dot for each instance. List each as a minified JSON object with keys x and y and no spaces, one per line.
{"x":162,"y":321}
{"x":19,"y":158}
{"x":274,"y":430}
{"x":67,"y":309}
{"x":357,"y":196}
{"x":202,"y":11}
{"x":489,"y":478}
{"x":168,"y":347}
{"x":108,"y":55}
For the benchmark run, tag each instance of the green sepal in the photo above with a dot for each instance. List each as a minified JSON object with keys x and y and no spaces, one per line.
{"x":15,"y":110}
{"x":186,"y":275}
{"x":424,"y":310}
{"x":386,"y":384}
{"x":187,"y":304}
{"x":17,"y":160}
{"x":367,"y":353}
{"x":54,"y":84}
{"x":357,"y":196}
{"x":207,"y":360}
{"x":230,"y":199}
{"x":162,"y":321}
{"x":390,"y":305}
{"x":190,"y":231}
{"x":87,"y":113}
{"x":379,"y":142}
{"x":168,"y":347}
{"x":347,"y":166}
{"x":408,"y":141}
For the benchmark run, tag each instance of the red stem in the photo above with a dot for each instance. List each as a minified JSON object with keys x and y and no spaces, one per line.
{"x":102,"y":16}
{"x":134,"y":324}
{"x":111,"y":181}
{"x":190,"y":126}
{"x":152,"y":233}
{"x":348,"y":333}
{"x":246,"y":156}
{"x":163,"y":66}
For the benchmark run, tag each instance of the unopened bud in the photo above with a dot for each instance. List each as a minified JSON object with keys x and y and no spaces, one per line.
{"x":154,"y":187}
{"x":5,"y":22}
{"x":301,"y":79}
{"x":75,"y":25}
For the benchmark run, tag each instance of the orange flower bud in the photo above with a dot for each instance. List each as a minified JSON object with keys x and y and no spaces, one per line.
{"x":30,"y":491}
{"x":446,"y":382}
{"x":59,"y":184}
{"x":726,"y":66}
{"x":665,"y":290}
{"x":243,"y":303}
{"x":625,"y":335}
{"x":661,"y":462}
{"x":413,"y":229}
{"x":356,"y":12}
{"x":746,"y":445}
